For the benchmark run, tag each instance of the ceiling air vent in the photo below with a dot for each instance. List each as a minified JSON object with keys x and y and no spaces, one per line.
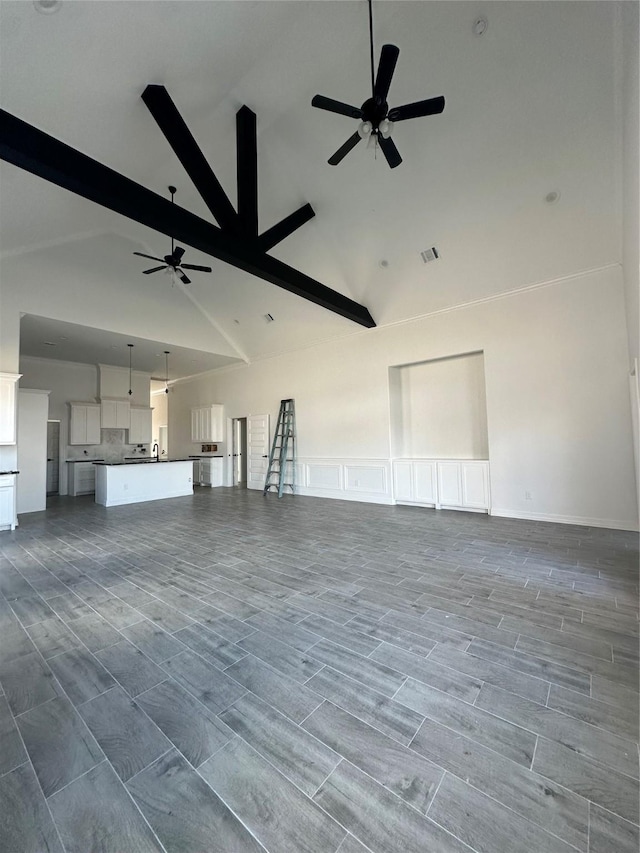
{"x":429,"y":255}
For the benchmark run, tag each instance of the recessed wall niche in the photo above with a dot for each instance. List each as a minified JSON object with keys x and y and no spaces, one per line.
{"x":439,"y":409}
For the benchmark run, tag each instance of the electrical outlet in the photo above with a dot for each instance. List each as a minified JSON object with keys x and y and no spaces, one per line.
{"x":356,"y":483}
{"x":126,"y":487}
{"x":527,"y":496}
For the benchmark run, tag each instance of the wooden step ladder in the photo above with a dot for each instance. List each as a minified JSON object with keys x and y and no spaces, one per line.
{"x":282,"y":459}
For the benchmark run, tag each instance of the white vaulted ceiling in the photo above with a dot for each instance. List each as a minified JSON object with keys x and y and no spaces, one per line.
{"x":531,"y":107}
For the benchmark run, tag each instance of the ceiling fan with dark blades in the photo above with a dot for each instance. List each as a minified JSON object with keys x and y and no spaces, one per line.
{"x":173,"y":261}
{"x":376,"y":119}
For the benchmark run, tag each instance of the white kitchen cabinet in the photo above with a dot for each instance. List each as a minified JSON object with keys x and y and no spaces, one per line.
{"x":208,"y":472}
{"x":84,"y":423}
{"x":446,"y":483}
{"x":140,"y":430}
{"x":82,"y":478}
{"x":8,"y":396}
{"x":207,"y":423}
{"x":8,"y":516}
{"x":449,"y":484}
{"x":415,"y":481}
{"x":475,"y":484}
{"x":115,"y":414}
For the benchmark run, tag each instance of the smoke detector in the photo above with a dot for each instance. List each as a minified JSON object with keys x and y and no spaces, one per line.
{"x":429,"y":255}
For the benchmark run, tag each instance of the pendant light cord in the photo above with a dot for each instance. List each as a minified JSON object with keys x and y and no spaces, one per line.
{"x":130,"y":350}
{"x":371,"y":47}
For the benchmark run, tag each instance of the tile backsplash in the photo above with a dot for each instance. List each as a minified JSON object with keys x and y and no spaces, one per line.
{"x":112,"y":448}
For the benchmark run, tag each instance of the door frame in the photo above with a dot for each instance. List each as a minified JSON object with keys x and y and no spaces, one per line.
{"x":61,"y":462}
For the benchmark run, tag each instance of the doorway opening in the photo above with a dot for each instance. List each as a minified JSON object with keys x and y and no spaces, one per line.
{"x":163,"y":441}
{"x":159,"y":418}
{"x":53,"y":457}
{"x":239,"y":452}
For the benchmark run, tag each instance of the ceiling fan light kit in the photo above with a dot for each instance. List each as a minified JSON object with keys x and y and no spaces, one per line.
{"x":376,"y":119}
{"x":173,"y":265}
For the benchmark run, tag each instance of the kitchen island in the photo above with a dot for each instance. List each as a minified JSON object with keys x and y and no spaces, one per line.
{"x":120,"y":483}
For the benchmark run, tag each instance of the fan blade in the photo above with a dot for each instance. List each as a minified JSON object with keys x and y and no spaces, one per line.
{"x":336,"y":107}
{"x":183,"y":277}
{"x":178,"y":252}
{"x":430,"y":107}
{"x":153,"y":269}
{"x":390,"y":151}
{"x":351,"y":142}
{"x":386,"y":67}
{"x":151,"y":258}
{"x":195,"y":267}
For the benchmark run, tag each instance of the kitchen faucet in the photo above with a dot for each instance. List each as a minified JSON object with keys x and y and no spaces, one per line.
{"x":155,"y":450}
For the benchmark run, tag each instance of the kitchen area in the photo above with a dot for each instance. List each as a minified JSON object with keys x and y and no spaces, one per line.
{"x":100,"y":430}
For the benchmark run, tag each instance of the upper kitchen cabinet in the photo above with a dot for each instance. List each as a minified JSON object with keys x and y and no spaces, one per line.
{"x":207,"y":423}
{"x":8,"y":395}
{"x":85,"y":423}
{"x":115,"y":414}
{"x":140,"y":429}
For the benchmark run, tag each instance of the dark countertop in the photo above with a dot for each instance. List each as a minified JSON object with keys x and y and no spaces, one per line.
{"x":147,"y":461}
{"x":206,"y":455}
{"x":9,"y":472}
{"x":91,"y":459}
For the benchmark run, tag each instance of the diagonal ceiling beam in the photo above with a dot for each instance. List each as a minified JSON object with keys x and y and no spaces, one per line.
{"x":193,"y":160}
{"x":35,"y":151}
{"x":268,"y":239}
{"x":247,"y":170}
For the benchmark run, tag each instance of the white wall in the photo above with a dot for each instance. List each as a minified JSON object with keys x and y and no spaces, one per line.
{"x":556,"y":364}
{"x":629,"y":24}
{"x":32,"y":450}
{"x":89,"y":282}
{"x":630,"y":170}
{"x":114,"y":382}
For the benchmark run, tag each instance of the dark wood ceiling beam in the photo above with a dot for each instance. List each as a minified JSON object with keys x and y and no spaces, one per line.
{"x":40,"y":154}
{"x":181,"y":140}
{"x":268,"y":239}
{"x":247,"y":171}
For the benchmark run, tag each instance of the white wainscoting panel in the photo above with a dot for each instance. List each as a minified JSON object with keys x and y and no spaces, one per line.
{"x":367,"y":480}
{"x":323,"y":476}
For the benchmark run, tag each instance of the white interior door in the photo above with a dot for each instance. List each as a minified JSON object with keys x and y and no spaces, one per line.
{"x":257,"y":450}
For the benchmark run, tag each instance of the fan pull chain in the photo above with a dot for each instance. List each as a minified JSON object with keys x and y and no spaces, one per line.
{"x":172,"y":190}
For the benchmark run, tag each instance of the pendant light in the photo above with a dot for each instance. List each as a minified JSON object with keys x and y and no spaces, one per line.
{"x":130,"y":351}
{"x":166,"y":371}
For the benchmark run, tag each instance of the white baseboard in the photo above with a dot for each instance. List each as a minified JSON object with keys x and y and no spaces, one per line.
{"x":580,"y":521}
{"x":344,"y":495}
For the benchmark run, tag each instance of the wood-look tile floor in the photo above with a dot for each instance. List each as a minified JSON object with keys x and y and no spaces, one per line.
{"x":233,"y":673}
